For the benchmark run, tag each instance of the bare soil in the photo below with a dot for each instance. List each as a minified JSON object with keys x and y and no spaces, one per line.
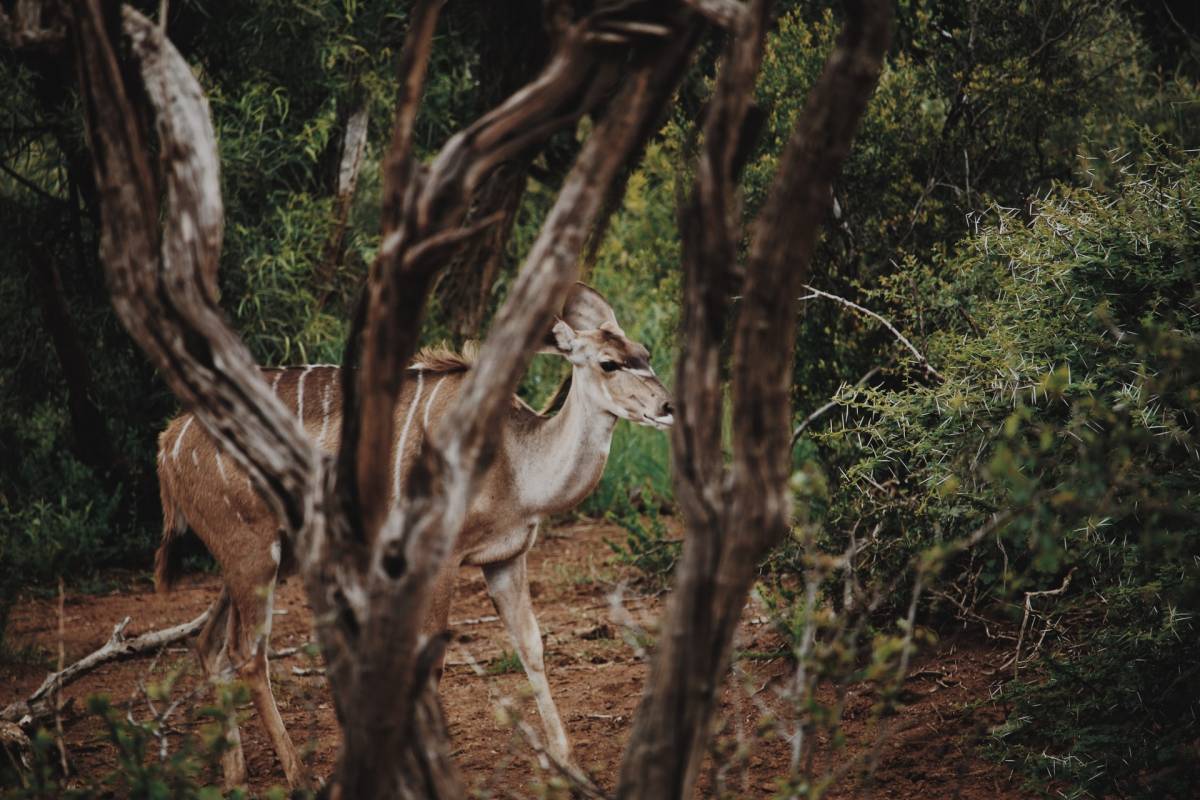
{"x":595,"y":669}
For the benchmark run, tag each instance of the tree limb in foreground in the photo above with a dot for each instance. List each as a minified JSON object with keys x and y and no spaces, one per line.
{"x":367,"y":567}
{"x":735,"y":514}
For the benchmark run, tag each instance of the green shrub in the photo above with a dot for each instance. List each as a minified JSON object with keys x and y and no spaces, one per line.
{"x":1070,"y":351}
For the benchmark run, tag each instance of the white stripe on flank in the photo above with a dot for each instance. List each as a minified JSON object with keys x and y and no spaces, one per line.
{"x":195,"y":458}
{"x":429,"y":404}
{"x":325,"y":410}
{"x":412,"y":412}
{"x":179,"y":439}
{"x":300,"y":395}
{"x":221,"y":468}
{"x":275,"y":381}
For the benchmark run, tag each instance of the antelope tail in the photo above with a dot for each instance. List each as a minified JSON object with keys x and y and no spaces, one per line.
{"x":166,"y":563}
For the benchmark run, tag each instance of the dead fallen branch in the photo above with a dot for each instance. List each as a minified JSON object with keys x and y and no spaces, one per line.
{"x":474,"y":620}
{"x":1029,"y":612}
{"x":37,"y":706}
{"x":305,"y":672}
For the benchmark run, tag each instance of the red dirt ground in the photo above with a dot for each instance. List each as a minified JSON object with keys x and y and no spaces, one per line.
{"x":596,"y":675}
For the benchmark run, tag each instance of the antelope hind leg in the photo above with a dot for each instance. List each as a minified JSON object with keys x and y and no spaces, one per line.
{"x":253,"y":643}
{"x":212,"y":651}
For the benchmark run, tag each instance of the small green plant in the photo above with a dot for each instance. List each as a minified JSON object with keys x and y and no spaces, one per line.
{"x":648,"y":547}
{"x":504,"y":663}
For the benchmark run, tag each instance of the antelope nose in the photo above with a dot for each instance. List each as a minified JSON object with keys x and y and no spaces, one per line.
{"x":667,"y":409}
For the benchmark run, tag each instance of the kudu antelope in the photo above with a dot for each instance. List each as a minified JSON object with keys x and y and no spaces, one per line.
{"x":544,"y":465}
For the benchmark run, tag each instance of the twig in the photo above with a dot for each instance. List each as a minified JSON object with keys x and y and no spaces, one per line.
{"x":1029,"y":610}
{"x":306,"y":671}
{"x":56,"y":698}
{"x":929,"y":370}
{"x":630,"y":630}
{"x":286,"y":652}
{"x":579,"y":780}
{"x":31,"y":186}
{"x":475,"y":620}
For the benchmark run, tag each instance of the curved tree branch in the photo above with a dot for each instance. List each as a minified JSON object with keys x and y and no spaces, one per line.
{"x":163,"y":283}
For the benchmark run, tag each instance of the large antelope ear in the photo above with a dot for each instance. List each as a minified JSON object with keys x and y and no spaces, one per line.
{"x":586,"y":309}
{"x":560,"y":339}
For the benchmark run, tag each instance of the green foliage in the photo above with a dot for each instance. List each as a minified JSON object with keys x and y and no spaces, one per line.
{"x":148,"y":766}
{"x":1071,"y":356}
{"x":1120,"y":721}
{"x":505,"y":663}
{"x":979,"y":104}
{"x":648,"y":546}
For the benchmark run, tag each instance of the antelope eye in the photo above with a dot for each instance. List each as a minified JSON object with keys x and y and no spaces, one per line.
{"x":609,"y":366}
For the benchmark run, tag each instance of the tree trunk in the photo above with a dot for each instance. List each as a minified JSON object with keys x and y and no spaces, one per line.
{"x":90,"y":432}
{"x":464,"y":292}
{"x":367,"y":567}
{"x":734,"y":515}
{"x":354,"y":147}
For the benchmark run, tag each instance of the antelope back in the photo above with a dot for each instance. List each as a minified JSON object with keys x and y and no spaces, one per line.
{"x":187,"y":454}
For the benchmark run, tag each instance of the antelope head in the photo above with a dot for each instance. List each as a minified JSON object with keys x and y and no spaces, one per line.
{"x":610,"y":370}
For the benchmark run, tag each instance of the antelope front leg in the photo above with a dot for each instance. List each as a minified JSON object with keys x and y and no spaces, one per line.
{"x":508,"y":586}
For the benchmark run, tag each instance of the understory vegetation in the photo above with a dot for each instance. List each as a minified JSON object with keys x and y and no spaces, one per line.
{"x":1007,"y":443}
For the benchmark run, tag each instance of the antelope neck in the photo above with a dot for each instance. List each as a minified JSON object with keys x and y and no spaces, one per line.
{"x":567,"y":453}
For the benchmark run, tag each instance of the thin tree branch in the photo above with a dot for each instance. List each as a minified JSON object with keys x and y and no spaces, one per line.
{"x":921,"y":360}
{"x":31,"y":186}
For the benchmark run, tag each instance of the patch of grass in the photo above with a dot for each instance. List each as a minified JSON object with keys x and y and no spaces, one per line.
{"x":504,"y":663}
{"x":763,"y":655}
{"x":568,"y":575}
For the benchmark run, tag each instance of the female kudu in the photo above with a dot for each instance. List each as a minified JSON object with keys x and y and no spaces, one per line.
{"x":544,"y":465}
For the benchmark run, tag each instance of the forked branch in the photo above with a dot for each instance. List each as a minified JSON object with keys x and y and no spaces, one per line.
{"x":419,"y":533}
